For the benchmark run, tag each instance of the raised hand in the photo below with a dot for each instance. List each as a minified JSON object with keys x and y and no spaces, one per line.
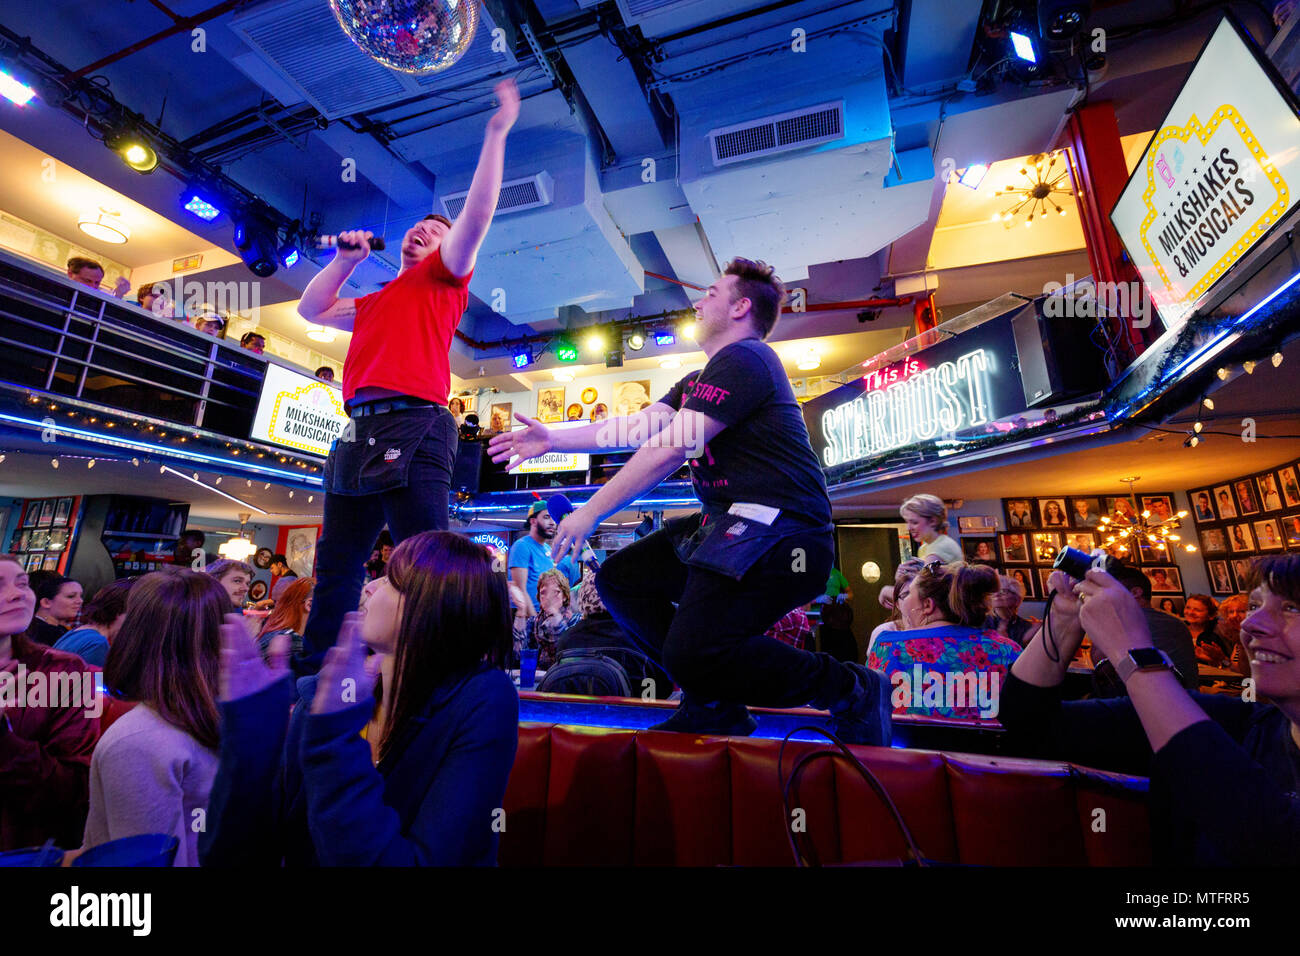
{"x":508,"y":110}
{"x":1111,"y":615}
{"x":122,"y":286}
{"x":521,"y":445}
{"x":344,"y":680}
{"x":243,"y":672}
{"x":572,"y":533}
{"x":357,"y":237}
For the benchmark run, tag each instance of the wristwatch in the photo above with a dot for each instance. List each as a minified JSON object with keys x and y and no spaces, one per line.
{"x":1142,"y":659}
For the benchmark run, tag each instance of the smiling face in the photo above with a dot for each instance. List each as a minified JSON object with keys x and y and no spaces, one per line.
{"x":421,"y":239}
{"x":17,"y":599}
{"x":1271,"y":633}
{"x":236,"y":583}
{"x":918,"y":526}
{"x":718,"y":309}
{"x":64,"y":607}
{"x":1195,"y":612}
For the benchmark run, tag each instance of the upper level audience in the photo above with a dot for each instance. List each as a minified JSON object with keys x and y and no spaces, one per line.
{"x":101,"y":619}
{"x":90,"y":273}
{"x":413,"y":776}
{"x":153,"y":768}
{"x":1225,"y":772}
{"x":45,"y":745}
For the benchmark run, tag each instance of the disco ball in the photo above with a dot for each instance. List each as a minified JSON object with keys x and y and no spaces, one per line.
{"x":411,"y":36}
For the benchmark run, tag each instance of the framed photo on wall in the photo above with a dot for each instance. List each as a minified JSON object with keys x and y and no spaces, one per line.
{"x":1220,"y":579}
{"x":1240,"y":537}
{"x":1160,"y":506}
{"x":1046,"y":544}
{"x":1052,"y":512}
{"x":1268,"y":535}
{"x":1043,"y":575}
{"x":1202,"y":506}
{"x":1015,"y":548}
{"x":550,"y":404}
{"x":1164,"y":580}
{"x":980,"y":550}
{"x":1290,"y":487}
{"x":1085,"y":512}
{"x":62,"y":512}
{"x":1021,"y":513}
{"x":1120,"y":510}
{"x":1214,"y":541}
{"x":1223,"y":500}
{"x":1026,"y":580}
{"x":500,"y":417}
{"x":47,"y":512}
{"x":1247,"y":500}
{"x":1169,"y":605}
{"x":1084,"y":541}
{"x":1240,"y":572}
{"x":1269,"y":496}
{"x":1291,"y":531}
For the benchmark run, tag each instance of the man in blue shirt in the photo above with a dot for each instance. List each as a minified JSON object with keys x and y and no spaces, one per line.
{"x":530,"y":556}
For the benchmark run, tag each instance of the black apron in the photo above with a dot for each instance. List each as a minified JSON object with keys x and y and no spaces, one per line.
{"x":729,"y":544}
{"x":374,"y":453}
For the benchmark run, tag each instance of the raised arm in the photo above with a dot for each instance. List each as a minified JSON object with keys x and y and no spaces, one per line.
{"x":320,"y":302}
{"x":460,"y":248}
{"x":625,"y":433}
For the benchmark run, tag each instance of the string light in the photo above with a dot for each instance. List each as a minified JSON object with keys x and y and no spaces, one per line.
{"x":1277,"y":359}
{"x":1249,"y":366}
{"x":1223,"y":374}
{"x":1208,"y":403}
{"x":54,"y":463}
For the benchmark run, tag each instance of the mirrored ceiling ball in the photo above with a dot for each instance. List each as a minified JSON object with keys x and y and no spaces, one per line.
{"x":412,"y":36}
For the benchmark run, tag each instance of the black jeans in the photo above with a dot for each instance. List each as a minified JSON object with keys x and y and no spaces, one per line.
{"x":712,"y":644}
{"x":353,"y":521}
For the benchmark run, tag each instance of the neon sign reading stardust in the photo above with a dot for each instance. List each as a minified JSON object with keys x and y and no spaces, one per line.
{"x":930,"y":402}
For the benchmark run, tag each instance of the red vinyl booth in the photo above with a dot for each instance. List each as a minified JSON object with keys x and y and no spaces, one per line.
{"x":589,"y":796}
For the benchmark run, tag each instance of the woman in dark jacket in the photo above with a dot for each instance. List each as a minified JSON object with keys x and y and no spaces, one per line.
{"x":415,"y":779}
{"x":1225,"y":772}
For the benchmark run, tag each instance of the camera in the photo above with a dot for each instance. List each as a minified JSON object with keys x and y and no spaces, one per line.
{"x":1077,"y":563}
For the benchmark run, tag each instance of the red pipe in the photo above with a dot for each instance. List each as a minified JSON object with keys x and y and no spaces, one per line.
{"x":181,"y":25}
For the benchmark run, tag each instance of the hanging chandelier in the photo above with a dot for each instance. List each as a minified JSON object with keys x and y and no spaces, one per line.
{"x":1128,"y":532}
{"x":1042,"y":193}
{"x":238,"y":548}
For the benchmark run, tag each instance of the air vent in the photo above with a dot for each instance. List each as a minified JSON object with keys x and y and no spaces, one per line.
{"x":777,"y":134}
{"x":515,"y":196}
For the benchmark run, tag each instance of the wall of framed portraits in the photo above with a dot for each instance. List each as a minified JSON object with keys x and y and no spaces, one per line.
{"x":1242,"y":518}
{"x":46,"y":529}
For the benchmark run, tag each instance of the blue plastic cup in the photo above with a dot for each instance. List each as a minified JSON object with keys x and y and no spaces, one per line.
{"x":147,"y":849}
{"x":528,"y":667}
{"x":32,"y":856}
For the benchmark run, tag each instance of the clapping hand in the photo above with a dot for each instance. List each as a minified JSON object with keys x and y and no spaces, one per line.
{"x":344,"y":673}
{"x":519,"y":446}
{"x":243,"y":672}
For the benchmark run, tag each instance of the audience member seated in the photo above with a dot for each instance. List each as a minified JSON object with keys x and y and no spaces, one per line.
{"x":457,"y":408}
{"x":90,"y":273}
{"x":284,"y":575}
{"x":44,"y":748}
{"x":253,"y":342}
{"x":288,"y":617}
{"x":1006,"y":619}
{"x":596,"y":628}
{"x":102,"y":617}
{"x":1169,"y":634}
{"x":944,"y":609}
{"x":889,"y":594}
{"x":1225,"y":772}
{"x":235,"y":577}
{"x":154,"y":302}
{"x":154,"y":766}
{"x":1232,"y":611}
{"x":58,"y":605}
{"x":425,"y":783}
{"x":209,"y":323}
{"x":927,"y":522}
{"x":556,"y":615}
{"x":1201,"y":615}
{"x":325,"y":373}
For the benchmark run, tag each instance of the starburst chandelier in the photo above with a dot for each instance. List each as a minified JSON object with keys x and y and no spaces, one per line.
{"x":1128,"y":532}
{"x":1042,"y":192}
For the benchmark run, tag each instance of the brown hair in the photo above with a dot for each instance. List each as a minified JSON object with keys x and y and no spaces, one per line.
{"x":442,"y":219}
{"x":291,"y":608}
{"x":108,"y":604}
{"x":765,"y":292}
{"x":1209,"y":602}
{"x":77,"y":263}
{"x":960,"y":591}
{"x":167,"y":651}
{"x":223,"y":566}
{"x":557,"y":576}
{"x":455,"y":615}
{"x":1279,"y":573}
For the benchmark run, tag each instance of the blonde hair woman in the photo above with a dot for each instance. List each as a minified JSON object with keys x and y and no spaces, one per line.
{"x":927,"y":520}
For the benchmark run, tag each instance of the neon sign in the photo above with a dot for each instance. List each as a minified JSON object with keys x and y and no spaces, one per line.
{"x":914,"y":405}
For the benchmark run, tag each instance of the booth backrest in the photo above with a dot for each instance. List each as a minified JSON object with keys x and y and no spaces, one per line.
{"x":587,"y":796}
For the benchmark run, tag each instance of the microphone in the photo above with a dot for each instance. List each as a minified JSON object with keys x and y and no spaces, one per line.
{"x":331,"y":242}
{"x":560,"y":507}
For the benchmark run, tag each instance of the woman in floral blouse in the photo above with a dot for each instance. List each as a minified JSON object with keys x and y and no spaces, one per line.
{"x":555,"y":616}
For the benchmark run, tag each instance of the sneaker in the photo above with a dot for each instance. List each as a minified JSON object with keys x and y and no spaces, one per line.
{"x":716,"y":718}
{"x":865,"y":716}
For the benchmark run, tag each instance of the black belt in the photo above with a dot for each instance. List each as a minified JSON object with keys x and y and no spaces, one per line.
{"x":382,"y":406}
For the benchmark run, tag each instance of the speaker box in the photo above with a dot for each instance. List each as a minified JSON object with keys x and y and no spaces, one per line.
{"x":466,"y":472}
{"x":1058,"y":357}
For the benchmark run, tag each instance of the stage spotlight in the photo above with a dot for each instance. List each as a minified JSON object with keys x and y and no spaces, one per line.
{"x":688,"y":331}
{"x":974,"y":175}
{"x":566,"y":351}
{"x":134,"y":150}
{"x":636,"y":341}
{"x":259,"y":255}
{"x":289,"y":255}
{"x":522,"y":357}
{"x":665,"y":338}
{"x":614,"y":358}
{"x":20,"y":94}
{"x":1024,"y":47}
{"x":194,"y":202}
{"x":595,"y":342}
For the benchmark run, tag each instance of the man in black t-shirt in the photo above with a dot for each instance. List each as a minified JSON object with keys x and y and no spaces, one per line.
{"x":760,"y":547}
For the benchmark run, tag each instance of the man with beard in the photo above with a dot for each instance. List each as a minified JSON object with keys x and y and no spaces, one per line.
{"x":530,"y":556}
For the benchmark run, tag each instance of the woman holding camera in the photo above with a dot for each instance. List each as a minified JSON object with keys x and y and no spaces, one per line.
{"x":1224,"y":772}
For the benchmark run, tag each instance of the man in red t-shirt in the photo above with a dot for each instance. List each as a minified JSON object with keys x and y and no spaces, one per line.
{"x":393,"y":463}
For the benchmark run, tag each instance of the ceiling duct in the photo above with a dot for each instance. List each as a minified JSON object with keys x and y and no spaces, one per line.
{"x":781,"y":133}
{"x":516,"y":195}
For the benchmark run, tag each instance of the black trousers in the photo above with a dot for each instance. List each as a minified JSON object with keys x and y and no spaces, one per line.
{"x":712,"y":644}
{"x":353,"y":521}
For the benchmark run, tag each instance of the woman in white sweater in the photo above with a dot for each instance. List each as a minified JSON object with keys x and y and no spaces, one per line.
{"x":153,"y":768}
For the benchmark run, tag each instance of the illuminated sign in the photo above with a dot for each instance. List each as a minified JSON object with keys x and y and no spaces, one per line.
{"x":1215,"y":178}
{"x":554,"y":461}
{"x":924,"y":405}
{"x":298,"y":411}
{"x":493,"y":542}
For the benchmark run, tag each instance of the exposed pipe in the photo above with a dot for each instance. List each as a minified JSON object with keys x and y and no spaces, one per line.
{"x":180,"y":26}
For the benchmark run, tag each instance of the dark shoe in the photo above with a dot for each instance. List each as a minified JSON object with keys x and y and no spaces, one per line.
{"x":716,"y":718}
{"x":865,"y":716}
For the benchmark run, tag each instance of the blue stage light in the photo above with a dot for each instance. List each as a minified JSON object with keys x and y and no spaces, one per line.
{"x":201,"y":207}
{"x":522,"y":358}
{"x":974,"y":175}
{"x":665,"y":338}
{"x":1024,"y":47}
